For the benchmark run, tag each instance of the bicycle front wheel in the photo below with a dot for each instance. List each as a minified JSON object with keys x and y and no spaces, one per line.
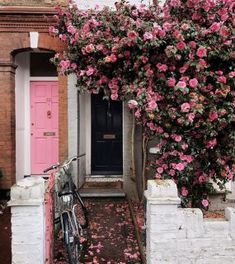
{"x":71,"y":239}
{"x":80,"y":210}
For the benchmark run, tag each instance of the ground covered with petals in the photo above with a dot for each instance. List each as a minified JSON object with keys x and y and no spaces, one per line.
{"x":110,"y":236}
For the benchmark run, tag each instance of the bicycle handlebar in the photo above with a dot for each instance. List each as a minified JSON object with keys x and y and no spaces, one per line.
{"x":57,"y":165}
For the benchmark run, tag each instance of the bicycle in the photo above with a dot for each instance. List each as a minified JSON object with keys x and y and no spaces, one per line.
{"x":70,"y":208}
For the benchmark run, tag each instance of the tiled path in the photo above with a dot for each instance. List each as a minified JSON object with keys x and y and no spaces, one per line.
{"x":111,"y":234}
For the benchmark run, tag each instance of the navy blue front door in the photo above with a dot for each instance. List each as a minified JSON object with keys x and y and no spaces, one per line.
{"x":106,"y":147}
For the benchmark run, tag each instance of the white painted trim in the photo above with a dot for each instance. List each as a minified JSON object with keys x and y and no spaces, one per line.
{"x":43,"y":79}
{"x":88,"y":132}
{"x":33,"y":40}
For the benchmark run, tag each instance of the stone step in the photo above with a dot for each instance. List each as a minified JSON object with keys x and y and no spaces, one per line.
{"x":99,"y":192}
{"x":102,"y":185}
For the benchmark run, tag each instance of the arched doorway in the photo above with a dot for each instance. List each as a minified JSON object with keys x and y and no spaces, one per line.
{"x":36,"y":87}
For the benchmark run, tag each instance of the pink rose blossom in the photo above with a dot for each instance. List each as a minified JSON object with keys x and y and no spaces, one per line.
{"x":205,"y":203}
{"x":184,"y":191}
{"x":89,"y":48}
{"x":90,"y":71}
{"x":177,"y":138}
{"x":152,"y":105}
{"x":213,"y":115}
{"x":158,"y":176}
{"x":185,"y":107}
{"x":162,"y":67}
{"x":112,"y":58}
{"x":181,"y":84}
{"x":132,"y":104}
{"x":215,"y":27}
{"x":64,"y":64}
{"x":114,"y":96}
{"x":160,"y":170}
{"x":192,"y":44}
{"x":132,"y":35}
{"x":63,"y":37}
{"x":148,"y":36}
{"x":71,"y":29}
{"x":180,"y":166}
{"x":191,"y":117}
{"x":138,"y":113}
{"x":201,"y":178}
{"x":224,"y":32}
{"x":185,"y":26}
{"x":222,"y":79}
{"x":211,"y":143}
{"x":184,"y":146}
{"x":172,"y":172}
{"x":171,"y":82}
{"x":193,"y":83}
{"x":181,"y":45}
{"x":201,"y":52}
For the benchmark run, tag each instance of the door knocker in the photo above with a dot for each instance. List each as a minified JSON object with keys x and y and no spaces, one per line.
{"x":49,"y":114}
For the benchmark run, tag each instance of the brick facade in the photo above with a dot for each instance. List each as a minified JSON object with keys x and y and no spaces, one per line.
{"x":15,"y":25}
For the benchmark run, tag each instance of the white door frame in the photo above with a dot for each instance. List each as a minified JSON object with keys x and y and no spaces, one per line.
{"x":22,"y":104}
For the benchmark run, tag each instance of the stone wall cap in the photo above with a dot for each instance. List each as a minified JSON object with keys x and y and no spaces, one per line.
{"x":162,"y":189}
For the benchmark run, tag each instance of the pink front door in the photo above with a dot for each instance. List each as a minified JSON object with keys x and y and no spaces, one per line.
{"x":44,"y":125}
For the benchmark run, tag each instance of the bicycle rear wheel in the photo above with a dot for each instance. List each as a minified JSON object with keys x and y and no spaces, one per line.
{"x":80,"y":210}
{"x":71,"y":239}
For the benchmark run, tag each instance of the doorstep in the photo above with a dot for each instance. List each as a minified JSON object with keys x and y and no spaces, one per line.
{"x":102,"y":187}
{"x":94,"y":192}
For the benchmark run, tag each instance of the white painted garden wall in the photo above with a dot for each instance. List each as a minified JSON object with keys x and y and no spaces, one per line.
{"x":28,"y":221}
{"x":176,"y":235}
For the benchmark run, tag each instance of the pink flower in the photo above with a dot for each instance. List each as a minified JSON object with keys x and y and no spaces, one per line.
{"x":114,"y":96}
{"x":205,"y":203}
{"x":177,"y":138}
{"x":148,"y":36}
{"x":63,"y":37}
{"x":171,"y":82}
{"x":152,"y":105}
{"x":71,"y":29}
{"x":137,"y":113}
{"x":132,"y":35}
{"x":162,"y":67}
{"x":90,"y":71}
{"x":184,"y":146}
{"x":64,"y":64}
{"x":201,"y":178}
{"x":201,"y":52}
{"x":213,"y":115}
{"x":132,"y":104}
{"x":191,"y":117}
{"x":185,"y":107}
{"x":215,"y":27}
{"x":211,"y":143}
{"x":172,"y":172}
{"x":181,"y":84}
{"x":185,"y":26}
{"x":180,"y":166}
{"x":192,"y":44}
{"x":222,"y":79}
{"x":193,"y":82}
{"x":160,"y":170}
{"x":224,"y":32}
{"x":158,"y":176}
{"x":180,"y":45}
{"x":112,"y":58}
{"x":89,"y":48}
{"x":184,"y":191}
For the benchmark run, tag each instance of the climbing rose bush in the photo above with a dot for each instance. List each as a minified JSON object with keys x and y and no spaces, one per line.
{"x":174,"y":65}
